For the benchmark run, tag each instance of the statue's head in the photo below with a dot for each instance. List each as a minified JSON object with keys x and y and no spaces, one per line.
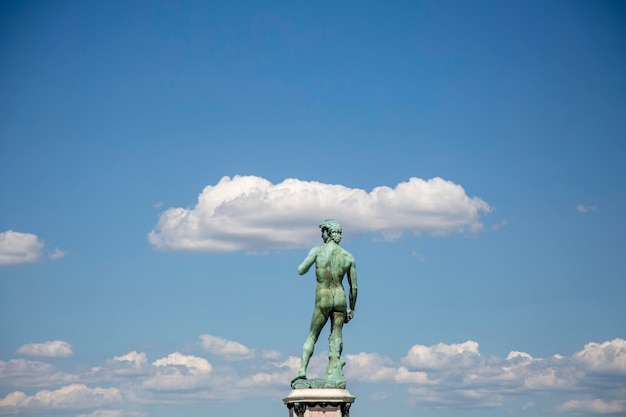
{"x":333,"y":228}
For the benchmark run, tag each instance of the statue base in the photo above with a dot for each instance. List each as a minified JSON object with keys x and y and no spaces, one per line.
{"x":318,"y":383}
{"x":319,"y":402}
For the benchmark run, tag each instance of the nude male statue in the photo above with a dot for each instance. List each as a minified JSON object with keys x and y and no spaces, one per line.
{"x":332,"y":263}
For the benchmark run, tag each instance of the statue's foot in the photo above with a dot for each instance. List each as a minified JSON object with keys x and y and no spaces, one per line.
{"x":334,"y":374}
{"x":317,"y":383}
{"x":301,"y":375}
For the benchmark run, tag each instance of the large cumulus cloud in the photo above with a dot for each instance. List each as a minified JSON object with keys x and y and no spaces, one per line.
{"x":251,"y":213}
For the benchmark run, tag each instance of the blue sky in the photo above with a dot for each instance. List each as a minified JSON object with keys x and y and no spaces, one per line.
{"x":164,"y":167}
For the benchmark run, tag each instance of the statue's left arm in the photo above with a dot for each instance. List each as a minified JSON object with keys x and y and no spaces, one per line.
{"x":303,"y":268}
{"x":353,"y":290}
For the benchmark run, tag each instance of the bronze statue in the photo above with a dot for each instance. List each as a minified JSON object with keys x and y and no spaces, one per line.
{"x":332,"y":263}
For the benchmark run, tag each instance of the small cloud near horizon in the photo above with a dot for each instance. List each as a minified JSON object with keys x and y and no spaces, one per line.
{"x":17,"y":248}
{"x":500,"y":225}
{"x":420,"y":257}
{"x":49,"y":349}
{"x":56,"y":254}
{"x":581,"y":208}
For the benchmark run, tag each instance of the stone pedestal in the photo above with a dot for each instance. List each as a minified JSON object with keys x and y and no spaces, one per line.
{"x":319,"y":402}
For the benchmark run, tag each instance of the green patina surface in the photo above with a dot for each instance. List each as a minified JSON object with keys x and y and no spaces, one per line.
{"x":332,"y":264}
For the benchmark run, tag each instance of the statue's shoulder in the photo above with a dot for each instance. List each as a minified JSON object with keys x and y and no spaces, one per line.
{"x":348,"y":255}
{"x":317,"y":250}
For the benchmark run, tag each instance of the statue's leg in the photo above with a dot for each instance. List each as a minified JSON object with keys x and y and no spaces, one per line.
{"x":335,"y":340}
{"x":334,"y":372}
{"x":317,"y":323}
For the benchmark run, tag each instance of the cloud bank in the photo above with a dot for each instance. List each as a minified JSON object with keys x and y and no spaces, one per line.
{"x":457,"y":376}
{"x":75,"y":396}
{"x":250,"y":213}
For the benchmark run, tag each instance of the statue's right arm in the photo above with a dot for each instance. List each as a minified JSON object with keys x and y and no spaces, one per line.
{"x":353,"y":290}
{"x":308,"y":261}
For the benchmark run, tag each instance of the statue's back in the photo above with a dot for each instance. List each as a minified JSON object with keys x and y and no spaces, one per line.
{"x":332,"y":263}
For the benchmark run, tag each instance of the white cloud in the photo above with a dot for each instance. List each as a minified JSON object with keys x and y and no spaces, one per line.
{"x":463,"y":355}
{"x":418,"y":255}
{"x":137,"y":360}
{"x":250,"y":213}
{"x":454,"y":398}
{"x":519,"y":357}
{"x":179,"y":372}
{"x":292,"y":362}
{"x":132,"y":363}
{"x":25,"y":373}
{"x":114,"y":413}
{"x":451,"y":376}
{"x":581,"y":208}
{"x":56,"y":254}
{"x":271,"y":354}
{"x":594,"y":406}
{"x":604,"y":357}
{"x":546,"y":379}
{"x":529,"y":405}
{"x":370,"y":367}
{"x":75,"y":396}
{"x":194,"y":364}
{"x":17,"y":248}
{"x":500,"y":225}
{"x":266,"y":379}
{"x":459,"y":376}
{"x":406,"y":376}
{"x":229,"y":349}
{"x":13,"y":399}
{"x":50,"y":349}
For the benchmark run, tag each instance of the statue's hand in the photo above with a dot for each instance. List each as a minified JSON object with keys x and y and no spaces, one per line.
{"x":349,"y":315}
